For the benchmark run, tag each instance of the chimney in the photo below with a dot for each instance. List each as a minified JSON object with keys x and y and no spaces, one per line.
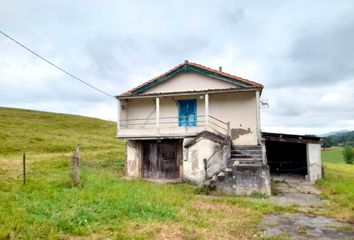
{"x":220,"y":69}
{"x":185,"y":61}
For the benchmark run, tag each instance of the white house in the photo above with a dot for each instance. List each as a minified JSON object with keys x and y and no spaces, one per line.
{"x":196,"y":124}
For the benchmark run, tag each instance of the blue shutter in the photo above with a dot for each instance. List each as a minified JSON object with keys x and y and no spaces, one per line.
{"x":187,"y":113}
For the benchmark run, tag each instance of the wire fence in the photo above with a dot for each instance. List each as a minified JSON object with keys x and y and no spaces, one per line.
{"x":15,"y":167}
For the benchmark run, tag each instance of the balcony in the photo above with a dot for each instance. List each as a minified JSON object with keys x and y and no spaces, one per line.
{"x":171,"y":127}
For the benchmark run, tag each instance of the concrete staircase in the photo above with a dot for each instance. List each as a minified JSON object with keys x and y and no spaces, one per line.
{"x":245,"y":156}
{"x":245,"y":173}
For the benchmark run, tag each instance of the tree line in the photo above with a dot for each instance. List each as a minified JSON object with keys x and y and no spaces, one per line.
{"x":339,"y":139}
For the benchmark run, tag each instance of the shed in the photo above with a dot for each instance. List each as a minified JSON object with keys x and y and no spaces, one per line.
{"x":293,"y":154}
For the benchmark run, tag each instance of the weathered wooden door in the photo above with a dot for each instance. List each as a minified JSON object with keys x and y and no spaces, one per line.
{"x":168,"y":160}
{"x":150,"y":160}
{"x":160,"y":159}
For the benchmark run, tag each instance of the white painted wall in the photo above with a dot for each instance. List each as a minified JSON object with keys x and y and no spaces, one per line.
{"x":314,"y":164}
{"x":133,"y":159}
{"x":238,"y":108}
{"x":189,"y":81}
{"x":193,"y":164}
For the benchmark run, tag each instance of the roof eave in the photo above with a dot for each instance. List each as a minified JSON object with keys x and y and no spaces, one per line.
{"x":181,"y":93}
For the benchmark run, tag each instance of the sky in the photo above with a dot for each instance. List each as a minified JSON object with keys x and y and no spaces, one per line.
{"x":301,"y":51}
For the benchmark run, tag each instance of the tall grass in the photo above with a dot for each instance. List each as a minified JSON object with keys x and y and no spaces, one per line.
{"x":338,"y":184}
{"x":105,"y":205}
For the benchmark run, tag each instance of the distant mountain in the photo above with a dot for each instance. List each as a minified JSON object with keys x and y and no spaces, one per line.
{"x":339,"y":138}
{"x":339,"y":132}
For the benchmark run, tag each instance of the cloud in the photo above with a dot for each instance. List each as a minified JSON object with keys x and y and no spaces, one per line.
{"x":300,"y":50}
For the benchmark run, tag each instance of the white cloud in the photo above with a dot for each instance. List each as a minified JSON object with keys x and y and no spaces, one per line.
{"x":300,"y":50}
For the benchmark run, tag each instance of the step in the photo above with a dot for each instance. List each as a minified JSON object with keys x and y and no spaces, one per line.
{"x":241,"y":156}
{"x":246,"y":148}
{"x":246,"y":151}
{"x":249,"y":165}
{"x":246,"y":159}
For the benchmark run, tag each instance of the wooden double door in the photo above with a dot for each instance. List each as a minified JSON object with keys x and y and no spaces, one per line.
{"x":161,"y":160}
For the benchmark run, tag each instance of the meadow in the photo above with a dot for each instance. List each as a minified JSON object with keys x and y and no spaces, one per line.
{"x":105,"y":205}
{"x":337,"y":185}
{"x":108,"y":206}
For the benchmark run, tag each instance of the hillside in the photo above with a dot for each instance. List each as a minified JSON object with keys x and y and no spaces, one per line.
{"x":44,"y":132}
{"x":104,"y":206}
{"x":341,"y":138}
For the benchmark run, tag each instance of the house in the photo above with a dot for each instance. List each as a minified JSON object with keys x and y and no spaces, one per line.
{"x":196,"y":124}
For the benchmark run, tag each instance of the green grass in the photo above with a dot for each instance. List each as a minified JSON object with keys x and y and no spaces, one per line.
{"x":105,"y":205}
{"x":42,"y":132}
{"x":338,"y":184}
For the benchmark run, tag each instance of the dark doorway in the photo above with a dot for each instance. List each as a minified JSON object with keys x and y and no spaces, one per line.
{"x":160,"y":159}
{"x":286,"y":157}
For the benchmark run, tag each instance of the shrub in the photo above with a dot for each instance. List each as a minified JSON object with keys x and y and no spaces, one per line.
{"x":348,"y":154}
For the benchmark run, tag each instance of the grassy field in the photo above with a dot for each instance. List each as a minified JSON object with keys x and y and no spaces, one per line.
{"x":109,"y":206}
{"x":105,"y":205}
{"x":338,"y":185}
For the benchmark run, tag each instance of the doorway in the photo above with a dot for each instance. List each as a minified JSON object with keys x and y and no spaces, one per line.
{"x":161,"y":159}
{"x":287,"y":157}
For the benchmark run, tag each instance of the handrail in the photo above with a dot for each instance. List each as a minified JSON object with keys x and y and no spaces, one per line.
{"x":217,"y":119}
{"x":214,"y":123}
{"x":217,"y":149}
{"x":138,"y":119}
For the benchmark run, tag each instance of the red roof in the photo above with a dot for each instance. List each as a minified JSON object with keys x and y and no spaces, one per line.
{"x":187,"y":63}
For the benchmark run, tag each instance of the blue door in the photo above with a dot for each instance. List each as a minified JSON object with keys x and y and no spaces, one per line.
{"x":187,"y":113}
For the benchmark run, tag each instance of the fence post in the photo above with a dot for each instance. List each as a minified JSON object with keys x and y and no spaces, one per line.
{"x":205,"y":161}
{"x":228,"y":129}
{"x":75,"y":171}
{"x":24,"y":167}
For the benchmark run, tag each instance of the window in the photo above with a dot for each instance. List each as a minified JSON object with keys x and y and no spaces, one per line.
{"x":187,"y":113}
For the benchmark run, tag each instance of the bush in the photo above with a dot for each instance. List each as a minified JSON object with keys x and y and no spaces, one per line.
{"x":348,"y":154}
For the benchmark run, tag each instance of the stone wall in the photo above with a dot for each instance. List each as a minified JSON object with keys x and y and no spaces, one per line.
{"x":245,"y":180}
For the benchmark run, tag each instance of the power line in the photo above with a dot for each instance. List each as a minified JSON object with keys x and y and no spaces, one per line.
{"x":57,"y":67}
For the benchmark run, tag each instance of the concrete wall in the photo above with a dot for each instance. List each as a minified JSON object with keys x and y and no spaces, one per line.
{"x":240,"y":109}
{"x":193,"y":164}
{"x":314,"y":164}
{"x":246,"y":181}
{"x":190,"y":81}
{"x":133,"y":159}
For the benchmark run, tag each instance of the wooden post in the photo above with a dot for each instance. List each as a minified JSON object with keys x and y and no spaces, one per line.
{"x":206,"y":101}
{"x":157,"y":115}
{"x":228,"y":129}
{"x":24,"y":168}
{"x":205,"y":161}
{"x":75,"y":174}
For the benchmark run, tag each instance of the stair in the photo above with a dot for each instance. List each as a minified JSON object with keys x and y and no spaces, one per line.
{"x":244,"y":173}
{"x":245,"y":156}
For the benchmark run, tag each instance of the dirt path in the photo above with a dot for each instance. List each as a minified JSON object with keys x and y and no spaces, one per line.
{"x":305,"y":197}
{"x":296,"y":192}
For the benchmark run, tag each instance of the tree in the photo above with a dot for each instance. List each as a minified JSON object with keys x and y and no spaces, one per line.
{"x":348,"y":154}
{"x":327,"y":143}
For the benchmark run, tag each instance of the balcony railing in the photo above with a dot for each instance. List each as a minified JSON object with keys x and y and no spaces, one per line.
{"x":179,"y":124}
